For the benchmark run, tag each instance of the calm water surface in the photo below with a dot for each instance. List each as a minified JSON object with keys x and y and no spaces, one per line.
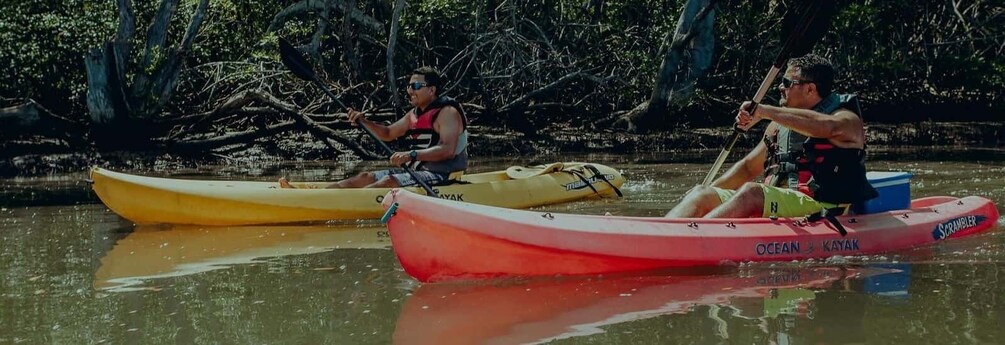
{"x":73,"y":272}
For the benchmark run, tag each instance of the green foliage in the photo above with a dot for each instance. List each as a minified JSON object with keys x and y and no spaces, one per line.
{"x":234,"y":31}
{"x":893,"y":52}
{"x":42,"y":44}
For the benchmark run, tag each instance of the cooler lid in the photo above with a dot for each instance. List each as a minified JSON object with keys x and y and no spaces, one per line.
{"x":876,"y":177}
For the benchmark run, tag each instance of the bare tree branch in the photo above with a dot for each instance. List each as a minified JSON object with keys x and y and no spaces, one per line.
{"x":304,"y":6}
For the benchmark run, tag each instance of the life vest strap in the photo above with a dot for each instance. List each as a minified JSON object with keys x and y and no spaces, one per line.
{"x":831,"y":215}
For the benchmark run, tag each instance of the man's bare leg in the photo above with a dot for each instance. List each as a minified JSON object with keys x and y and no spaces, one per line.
{"x":698,"y":201}
{"x":361,"y":180}
{"x":385,"y":182}
{"x":748,"y":202}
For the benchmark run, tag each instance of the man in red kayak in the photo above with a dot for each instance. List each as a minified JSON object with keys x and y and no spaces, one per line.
{"x":436,"y":130}
{"x":812,"y":156}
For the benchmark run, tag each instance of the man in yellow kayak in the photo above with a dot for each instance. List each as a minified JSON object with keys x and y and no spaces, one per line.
{"x":436,"y":130}
{"x":812,"y":155}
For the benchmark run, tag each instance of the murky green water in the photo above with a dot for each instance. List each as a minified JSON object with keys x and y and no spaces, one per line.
{"x":79,"y":274}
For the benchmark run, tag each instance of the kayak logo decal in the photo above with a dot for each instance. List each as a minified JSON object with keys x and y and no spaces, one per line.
{"x":783,"y":277}
{"x":840,"y":245}
{"x":588,"y":181}
{"x":948,"y":228}
{"x":454,"y":197}
{"x":795,"y":247}
{"x":776,"y":248}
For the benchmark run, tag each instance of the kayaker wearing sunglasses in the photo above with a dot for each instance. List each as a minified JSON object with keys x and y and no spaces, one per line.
{"x":435,"y":129}
{"x":812,"y":156}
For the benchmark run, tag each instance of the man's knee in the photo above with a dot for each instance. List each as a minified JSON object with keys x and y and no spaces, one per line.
{"x":704,"y":193}
{"x":749,"y":192}
{"x":750,"y":188}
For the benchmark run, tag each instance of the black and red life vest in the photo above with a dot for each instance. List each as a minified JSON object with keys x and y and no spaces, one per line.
{"x":815,"y":166}
{"x":421,"y":134}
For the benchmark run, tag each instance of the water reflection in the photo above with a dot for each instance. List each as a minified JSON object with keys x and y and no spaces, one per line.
{"x":151,"y":252}
{"x":542,"y":311}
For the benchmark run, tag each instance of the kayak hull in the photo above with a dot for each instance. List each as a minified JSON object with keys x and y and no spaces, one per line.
{"x":153,"y":200}
{"x":484,"y":242}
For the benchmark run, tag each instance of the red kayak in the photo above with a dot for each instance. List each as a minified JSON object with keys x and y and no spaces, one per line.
{"x":438,"y":240}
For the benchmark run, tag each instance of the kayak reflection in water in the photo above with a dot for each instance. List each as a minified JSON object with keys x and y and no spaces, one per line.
{"x":435,"y":129}
{"x":812,"y":155}
{"x":150,"y":256}
{"x":781,"y":299}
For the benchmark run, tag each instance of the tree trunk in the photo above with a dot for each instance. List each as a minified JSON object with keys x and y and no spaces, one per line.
{"x":154,"y":52}
{"x":392,"y":41}
{"x":689,"y":54}
{"x":166,"y":77}
{"x":687,"y":57}
{"x":121,"y":114}
{"x":315,"y":48}
{"x":349,"y":43}
{"x":105,"y":92}
{"x":121,"y":44}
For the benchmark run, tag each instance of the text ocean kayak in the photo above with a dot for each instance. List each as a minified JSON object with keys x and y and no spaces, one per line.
{"x":151,"y":200}
{"x":477,"y":241}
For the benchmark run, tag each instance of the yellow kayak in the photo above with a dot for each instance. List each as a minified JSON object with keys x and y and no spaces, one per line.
{"x":153,"y":200}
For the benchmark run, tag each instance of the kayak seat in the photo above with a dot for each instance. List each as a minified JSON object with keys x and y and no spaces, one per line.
{"x":454,"y":178}
{"x":522,"y":172}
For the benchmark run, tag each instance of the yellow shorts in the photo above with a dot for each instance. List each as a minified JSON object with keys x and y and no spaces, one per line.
{"x":782,"y":202}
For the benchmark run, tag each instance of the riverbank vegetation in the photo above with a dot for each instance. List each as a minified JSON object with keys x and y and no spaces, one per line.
{"x":198,"y":77}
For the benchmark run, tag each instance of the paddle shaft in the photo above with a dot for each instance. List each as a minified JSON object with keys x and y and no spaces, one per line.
{"x":358,"y":122}
{"x":816,"y":13}
{"x":302,"y":70}
{"x":761,"y":91}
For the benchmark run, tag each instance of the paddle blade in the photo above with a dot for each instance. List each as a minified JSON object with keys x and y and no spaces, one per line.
{"x":805,"y":27}
{"x":296,"y":62}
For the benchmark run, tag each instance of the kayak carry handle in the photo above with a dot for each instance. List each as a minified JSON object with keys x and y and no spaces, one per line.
{"x":391,"y":210}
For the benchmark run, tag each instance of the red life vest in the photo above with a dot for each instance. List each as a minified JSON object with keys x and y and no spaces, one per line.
{"x":421,"y":134}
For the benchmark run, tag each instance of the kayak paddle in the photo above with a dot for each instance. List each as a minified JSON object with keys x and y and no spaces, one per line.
{"x":814,"y":19}
{"x":298,"y":64}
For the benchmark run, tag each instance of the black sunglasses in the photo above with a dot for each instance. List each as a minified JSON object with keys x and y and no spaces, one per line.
{"x":417,"y":85}
{"x":787,"y":83}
